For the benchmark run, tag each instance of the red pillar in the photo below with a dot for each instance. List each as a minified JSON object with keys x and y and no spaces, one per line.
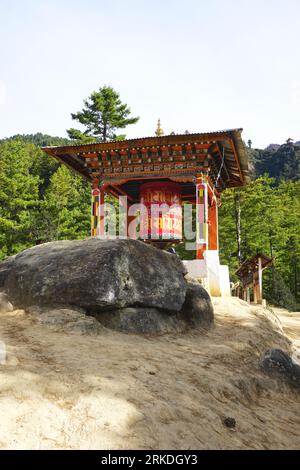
{"x":201,"y":217}
{"x":101,"y":226}
{"x":213,"y":243}
{"x":97,"y":211}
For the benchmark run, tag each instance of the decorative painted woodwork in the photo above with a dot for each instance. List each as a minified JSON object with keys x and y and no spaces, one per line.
{"x":97,"y":212}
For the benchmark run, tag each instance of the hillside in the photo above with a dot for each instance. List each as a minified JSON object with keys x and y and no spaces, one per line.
{"x":39,"y":139}
{"x":279,"y":161}
{"x":126,"y":391}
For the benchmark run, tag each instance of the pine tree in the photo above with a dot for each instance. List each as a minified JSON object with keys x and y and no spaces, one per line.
{"x":269,"y":224}
{"x":66,"y":210}
{"x":19,"y":198}
{"x":102,"y":115}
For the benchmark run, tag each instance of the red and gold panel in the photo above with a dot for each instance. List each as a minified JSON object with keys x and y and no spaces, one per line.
{"x":162,"y":221}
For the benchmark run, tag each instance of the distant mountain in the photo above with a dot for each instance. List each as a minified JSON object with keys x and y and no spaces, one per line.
{"x":272,"y":147}
{"x":279,"y":161}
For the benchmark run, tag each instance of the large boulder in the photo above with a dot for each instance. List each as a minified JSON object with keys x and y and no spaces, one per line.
{"x":278,"y":363}
{"x":5,"y":268}
{"x":64,"y":319}
{"x":95,"y":275}
{"x":197,"y":310}
{"x":149,"y":321}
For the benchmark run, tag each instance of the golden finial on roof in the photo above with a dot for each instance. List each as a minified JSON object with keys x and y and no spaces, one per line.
{"x":159,"y":130}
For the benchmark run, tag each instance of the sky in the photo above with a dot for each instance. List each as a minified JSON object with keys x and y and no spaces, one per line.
{"x":198,"y":65}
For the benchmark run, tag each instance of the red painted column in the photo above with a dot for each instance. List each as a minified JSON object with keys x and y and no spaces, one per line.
{"x":101,"y":225}
{"x":201,"y":217}
{"x":213,"y":243}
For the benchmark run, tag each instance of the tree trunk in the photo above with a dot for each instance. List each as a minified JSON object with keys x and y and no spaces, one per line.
{"x":272,"y":267}
{"x":237,"y":210}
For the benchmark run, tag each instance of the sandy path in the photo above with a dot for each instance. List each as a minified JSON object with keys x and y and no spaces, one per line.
{"x":290,"y":322}
{"x":61,"y":390}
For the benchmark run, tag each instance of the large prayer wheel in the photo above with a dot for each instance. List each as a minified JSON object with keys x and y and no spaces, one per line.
{"x":163,"y":219}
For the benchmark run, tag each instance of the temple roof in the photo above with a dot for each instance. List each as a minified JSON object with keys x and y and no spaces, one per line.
{"x":223,"y":152}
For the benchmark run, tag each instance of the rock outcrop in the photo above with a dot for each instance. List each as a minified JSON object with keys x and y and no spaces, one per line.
{"x":142,"y":320}
{"x":277,"y":362}
{"x":197,"y":309}
{"x":126,"y":284}
{"x":5,"y":268}
{"x":96,"y":275}
{"x":73,"y":321}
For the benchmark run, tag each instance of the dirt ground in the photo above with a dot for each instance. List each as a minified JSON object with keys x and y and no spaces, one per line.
{"x":116,"y":391}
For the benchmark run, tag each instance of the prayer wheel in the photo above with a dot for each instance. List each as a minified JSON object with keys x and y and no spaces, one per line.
{"x":163,"y":219}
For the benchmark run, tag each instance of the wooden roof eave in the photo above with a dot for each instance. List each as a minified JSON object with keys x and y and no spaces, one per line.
{"x":208,"y":138}
{"x":236,"y":165}
{"x":241,"y":151}
{"x":77,"y":168}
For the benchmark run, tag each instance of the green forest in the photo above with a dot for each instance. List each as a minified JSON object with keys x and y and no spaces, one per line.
{"x":41,"y":201}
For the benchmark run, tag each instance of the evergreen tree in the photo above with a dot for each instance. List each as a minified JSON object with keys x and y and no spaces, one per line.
{"x":66,"y":209}
{"x":40,"y":140}
{"x":102,"y":115}
{"x":19,"y":198}
{"x":269,"y":224}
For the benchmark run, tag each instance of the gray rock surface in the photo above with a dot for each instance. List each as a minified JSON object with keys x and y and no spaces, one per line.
{"x":5,"y":267}
{"x":96,"y":274}
{"x":197,"y":310}
{"x":84,"y":326}
{"x":67,"y":320}
{"x":89,"y":284}
{"x":277,"y":362}
{"x":142,"y":320}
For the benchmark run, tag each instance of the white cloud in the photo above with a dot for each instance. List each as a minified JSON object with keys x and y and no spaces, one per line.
{"x":2,"y":92}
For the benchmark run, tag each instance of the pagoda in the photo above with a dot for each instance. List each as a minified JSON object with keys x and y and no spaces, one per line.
{"x":177,"y":168}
